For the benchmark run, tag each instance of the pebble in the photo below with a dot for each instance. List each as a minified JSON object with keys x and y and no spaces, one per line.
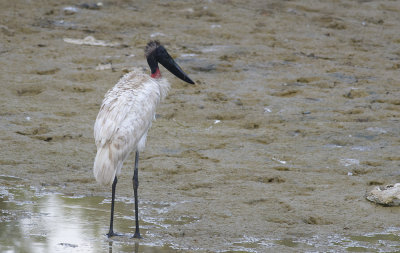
{"x":70,"y":10}
{"x":266,"y":109}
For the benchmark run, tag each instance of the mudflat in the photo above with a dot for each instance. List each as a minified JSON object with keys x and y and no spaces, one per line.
{"x":293,"y":119}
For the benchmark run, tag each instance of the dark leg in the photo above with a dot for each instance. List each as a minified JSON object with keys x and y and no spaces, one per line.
{"x":135,"y":188}
{"x":110,"y":244}
{"x":111,"y":232}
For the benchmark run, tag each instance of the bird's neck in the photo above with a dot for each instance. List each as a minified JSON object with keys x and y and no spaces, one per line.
{"x":163,"y":86}
{"x":156,"y":74}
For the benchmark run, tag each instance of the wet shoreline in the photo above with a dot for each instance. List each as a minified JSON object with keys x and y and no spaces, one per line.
{"x":44,"y":220}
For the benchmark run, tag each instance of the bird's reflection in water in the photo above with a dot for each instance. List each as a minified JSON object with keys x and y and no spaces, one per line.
{"x":136,"y":247}
{"x":110,"y":247}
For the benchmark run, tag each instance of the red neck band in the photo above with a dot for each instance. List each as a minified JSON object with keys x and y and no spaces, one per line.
{"x":156,"y":74}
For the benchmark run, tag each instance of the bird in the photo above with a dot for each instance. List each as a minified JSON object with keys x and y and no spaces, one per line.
{"x":125,"y":117}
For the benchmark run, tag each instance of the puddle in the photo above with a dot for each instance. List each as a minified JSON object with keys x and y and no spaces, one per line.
{"x":37,"y":221}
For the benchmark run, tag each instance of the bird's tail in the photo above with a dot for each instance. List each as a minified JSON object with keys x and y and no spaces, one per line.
{"x":105,"y":165}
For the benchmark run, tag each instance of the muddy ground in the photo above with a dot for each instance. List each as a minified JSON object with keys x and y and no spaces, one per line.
{"x":293,"y":118}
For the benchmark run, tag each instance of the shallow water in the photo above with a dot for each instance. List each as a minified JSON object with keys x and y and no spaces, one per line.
{"x":38,"y":221}
{"x":35,"y":220}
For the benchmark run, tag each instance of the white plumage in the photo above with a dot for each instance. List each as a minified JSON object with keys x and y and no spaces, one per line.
{"x":125,"y":117}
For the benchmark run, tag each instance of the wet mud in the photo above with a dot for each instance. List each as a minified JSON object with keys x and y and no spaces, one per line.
{"x":293,"y":119}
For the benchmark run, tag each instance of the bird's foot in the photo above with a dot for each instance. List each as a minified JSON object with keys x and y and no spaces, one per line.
{"x":137,"y":235}
{"x":111,"y":234}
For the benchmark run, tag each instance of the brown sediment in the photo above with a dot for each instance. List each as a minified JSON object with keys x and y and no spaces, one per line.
{"x":328,"y":75}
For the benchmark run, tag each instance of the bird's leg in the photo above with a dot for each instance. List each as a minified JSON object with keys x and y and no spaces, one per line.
{"x":135,"y":189}
{"x":111,"y":232}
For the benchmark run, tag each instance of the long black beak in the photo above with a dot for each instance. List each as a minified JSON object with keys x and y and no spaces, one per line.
{"x":162,"y":56}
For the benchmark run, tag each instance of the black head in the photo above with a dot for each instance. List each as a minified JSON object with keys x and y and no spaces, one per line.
{"x":156,"y":53}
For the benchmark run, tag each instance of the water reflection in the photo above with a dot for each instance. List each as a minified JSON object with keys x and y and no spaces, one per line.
{"x":36,"y":222}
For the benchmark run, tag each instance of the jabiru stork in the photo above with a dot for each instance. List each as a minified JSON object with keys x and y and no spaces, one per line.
{"x":125,"y":118}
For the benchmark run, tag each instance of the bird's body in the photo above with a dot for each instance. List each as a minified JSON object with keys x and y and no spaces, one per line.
{"x":125,"y":117}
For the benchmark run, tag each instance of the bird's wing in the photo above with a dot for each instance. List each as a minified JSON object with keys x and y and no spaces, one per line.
{"x":126,"y":115}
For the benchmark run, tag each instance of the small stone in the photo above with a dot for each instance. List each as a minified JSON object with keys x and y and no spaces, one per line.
{"x":70,"y":10}
{"x":388,"y":195}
